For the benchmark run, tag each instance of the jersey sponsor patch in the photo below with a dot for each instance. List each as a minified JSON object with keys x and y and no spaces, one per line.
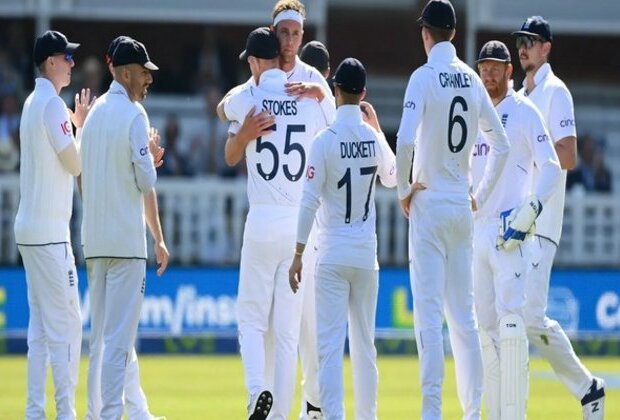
{"x":144,"y":151}
{"x":66,"y":128}
{"x":567,"y":123}
{"x":542,"y":138}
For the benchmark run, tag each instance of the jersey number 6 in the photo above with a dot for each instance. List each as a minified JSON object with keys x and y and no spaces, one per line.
{"x":289,"y":146}
{"x":457,"y":119}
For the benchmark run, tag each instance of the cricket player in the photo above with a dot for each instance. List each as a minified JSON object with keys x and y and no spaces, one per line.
{"x":276,"y":162}
{"x":555,"y":103}
{"x":315,"y":54}
{"x":49,"y":161}
{"x":501,"y":262}
{"x":340,"y":183}
{"x":444,"y":107}
{"x":118,"y":198}
{"x":133,"y":395}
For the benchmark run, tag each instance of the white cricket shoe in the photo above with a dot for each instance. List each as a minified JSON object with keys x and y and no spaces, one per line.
{"x":260,"y":406}
{"x":315,"y":415}
{"x":593,"y":403}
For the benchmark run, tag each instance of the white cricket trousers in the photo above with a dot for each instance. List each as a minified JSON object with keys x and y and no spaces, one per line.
{"x":343,"y":292}
{"x":135,"y":401}
{"x":54,"y":327}
{"x":547,"y":334}
{"x":116,"y":288}
{"x":307,"y":333}
{"x":267,"y":306}
{"x":441,"y":246}
{"x":500,"y":278}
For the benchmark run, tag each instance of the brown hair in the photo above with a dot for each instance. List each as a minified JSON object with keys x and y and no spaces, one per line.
{"x":282,"y":5}
{"x":438,"y":34}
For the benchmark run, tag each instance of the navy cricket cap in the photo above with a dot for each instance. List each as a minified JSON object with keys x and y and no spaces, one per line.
{"x":494,"y":51}
{"x":51,"y":43}
{"x":110,"y":53}
{"x":350,"y":76}
{"x":315,"y":54}
{"x":130,"y":51}
{"x":438,"y":14}
{"x":261,"y":43}
{"x":536,"y":26}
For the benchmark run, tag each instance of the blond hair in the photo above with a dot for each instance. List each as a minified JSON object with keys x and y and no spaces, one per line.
{"x":283,"y":5}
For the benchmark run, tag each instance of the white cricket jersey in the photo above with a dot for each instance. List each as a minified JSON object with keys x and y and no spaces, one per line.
{"x":303,"y":72}
{"x":555,"y":103}
{"x":529,"y":146}
{"x":344,"y":162}
{"x":444,"y":106}
{"x":46,"y":187}
{"x":117,"y":172}
{"x":276,"y":162}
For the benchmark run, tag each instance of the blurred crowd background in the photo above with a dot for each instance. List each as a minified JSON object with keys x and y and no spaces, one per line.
{"x":196,"y":44}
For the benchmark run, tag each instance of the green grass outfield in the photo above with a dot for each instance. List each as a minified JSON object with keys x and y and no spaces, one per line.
{"x":211,"y":387}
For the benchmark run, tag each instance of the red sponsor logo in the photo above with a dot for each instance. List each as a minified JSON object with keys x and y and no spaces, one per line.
{"x":66,"y":128}
{"x":310,"y":172}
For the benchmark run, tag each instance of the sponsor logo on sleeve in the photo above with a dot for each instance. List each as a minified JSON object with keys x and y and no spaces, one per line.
{"x":542,"y":138}
{"x":144,"y":151}
{"x":66,"y":128}
{"x":567,"y":123}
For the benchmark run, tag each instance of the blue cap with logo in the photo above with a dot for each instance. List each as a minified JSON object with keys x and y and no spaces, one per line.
{"x":130,"y":51}
{"x":350,"y":76}
{"x":438,"y":14}
{"x":536,"y":26}
{"x":494,"y":51}
{"x":51,"y":43}
{"x":261,"y":43}
{"x":315,"y":54}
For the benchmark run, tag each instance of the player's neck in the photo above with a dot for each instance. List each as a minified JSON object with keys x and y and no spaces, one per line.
{"x":530,"y":83}
{"x":288,"y":65}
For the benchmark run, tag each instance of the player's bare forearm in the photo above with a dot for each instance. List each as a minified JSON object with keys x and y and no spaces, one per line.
{"x":220,"y":107}
{"x":566,"y":149}
{"x":294,"y":272}
{"x":305,"y":90}
{"x":253,"y":127}
{"x":234,"y":149}
{"x":151,"y":214}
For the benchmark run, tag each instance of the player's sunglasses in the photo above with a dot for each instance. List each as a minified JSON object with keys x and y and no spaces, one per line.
{"x":527,"y":41}
{"x":68,"y":56}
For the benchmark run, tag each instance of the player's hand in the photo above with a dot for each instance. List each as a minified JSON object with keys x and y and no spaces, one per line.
{"x":369,"y":115}
{"x":83,"y":104}
{"x":156,"y":150}
{"x":255,"y":124}
{"x":162,"y":255}
{"x":294,"y":273}
{"x":405,"y":203}
{"x":474,"y":204}
{"x":305,"y":90}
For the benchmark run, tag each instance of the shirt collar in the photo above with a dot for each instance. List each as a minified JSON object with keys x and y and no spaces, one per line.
{"x":442,"y":52}
{"x":349,"y":113}
{"x":542,"y":73}
{"x":272,"y":77}
{"x":296,"y":67}
{"x":45,"y":85}
{"x":116,"y":87}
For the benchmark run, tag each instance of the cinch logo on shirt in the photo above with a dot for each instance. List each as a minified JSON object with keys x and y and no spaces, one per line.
{"x":357,"y":149}
{"x":481,"y":149}
{"x":410,"y":104}
{"x":567,"y":123}
{"x":454,"y":80}
{"x":280,"y":107}
{"x":144,"y":151}
{"x":66,"y":128}
{"x":542,"y":138}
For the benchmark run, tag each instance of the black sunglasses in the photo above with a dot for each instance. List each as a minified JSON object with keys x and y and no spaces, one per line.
{"x":527,"y":41}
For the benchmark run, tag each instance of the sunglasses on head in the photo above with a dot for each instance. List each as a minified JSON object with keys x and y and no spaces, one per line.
{"x":527,"y":41}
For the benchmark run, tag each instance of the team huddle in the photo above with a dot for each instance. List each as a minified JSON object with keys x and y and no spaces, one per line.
{"x":479,"y":170}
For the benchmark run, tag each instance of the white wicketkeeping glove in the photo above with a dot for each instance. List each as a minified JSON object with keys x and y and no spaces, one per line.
{"x":518,"y":224}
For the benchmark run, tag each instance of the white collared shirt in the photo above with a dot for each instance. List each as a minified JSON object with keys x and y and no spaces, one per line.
{"x":444,"y":106}
{"x":530,"y":146}
{"x":555,"y":103}
{"x":344,"y":162}
{"x":276,"y":162}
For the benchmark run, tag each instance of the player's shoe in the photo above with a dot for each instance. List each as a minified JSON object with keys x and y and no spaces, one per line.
{"x":260,"y":406}
{"x":315,"y":415}
{"x":593,"y":403}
